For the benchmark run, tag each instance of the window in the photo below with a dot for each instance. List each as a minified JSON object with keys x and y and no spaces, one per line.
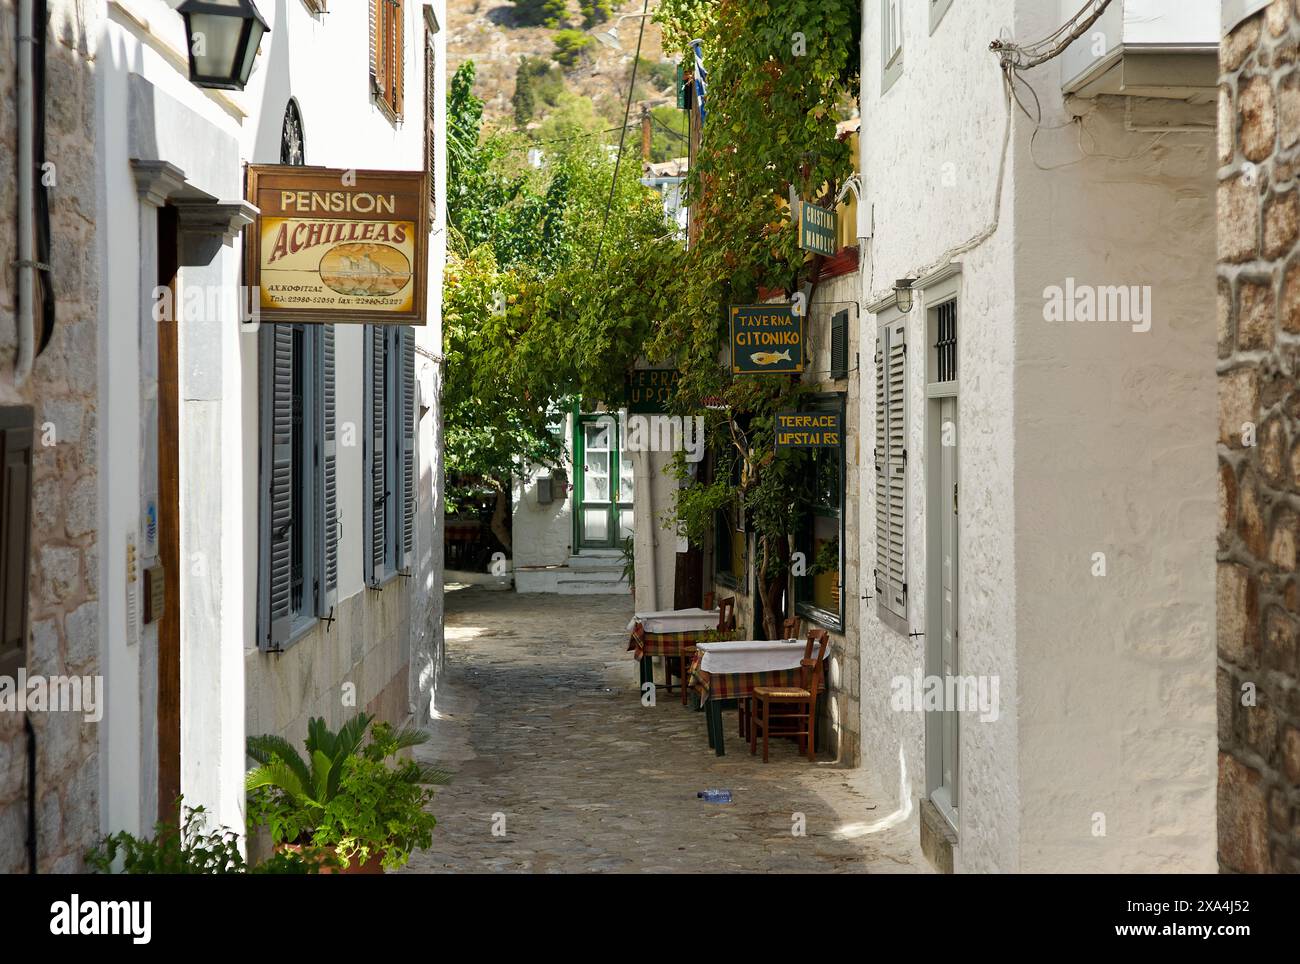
{"x":937,"y":9}
{"x":818,"y":592}
{"x":298,"y":514}
{"x":891,"y":42}
{"x":891,"y":472}
{"x":389,"y":454}
{"x":15,"y":531}
{"x":431,"y":117}
{"x":387,"y":53}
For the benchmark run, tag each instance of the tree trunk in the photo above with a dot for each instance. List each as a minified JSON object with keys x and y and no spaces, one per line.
{"x":770,"y":589}
{"x":501,"y":516}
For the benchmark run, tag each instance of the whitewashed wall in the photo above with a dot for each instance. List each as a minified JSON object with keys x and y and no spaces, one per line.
{"x":1072,"y":441}
{"x":322,"y":62}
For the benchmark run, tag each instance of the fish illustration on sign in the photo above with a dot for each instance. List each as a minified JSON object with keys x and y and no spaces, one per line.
{"x":769,"y":358}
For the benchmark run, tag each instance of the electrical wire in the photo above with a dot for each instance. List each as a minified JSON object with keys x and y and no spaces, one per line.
{"x":622,"y":140}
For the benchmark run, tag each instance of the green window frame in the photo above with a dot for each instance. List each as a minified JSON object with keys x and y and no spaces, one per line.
{"x":819,"y":592}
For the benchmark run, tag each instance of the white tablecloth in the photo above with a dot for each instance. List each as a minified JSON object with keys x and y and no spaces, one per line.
{"x":752,"y":656}
{"x":676,"y":621}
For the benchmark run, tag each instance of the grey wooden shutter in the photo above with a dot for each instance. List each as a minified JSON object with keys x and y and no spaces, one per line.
{"x":16,"y":436}
{"x":327,"y":477}
{"x":278,"y":484}
{"x":376,"y":453}
{"x":406,"y":358}
{"x":840,"y":345}
{"x":891,"y":468}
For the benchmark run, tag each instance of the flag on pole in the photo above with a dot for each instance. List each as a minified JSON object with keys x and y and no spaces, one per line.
{"x":701,"y":78}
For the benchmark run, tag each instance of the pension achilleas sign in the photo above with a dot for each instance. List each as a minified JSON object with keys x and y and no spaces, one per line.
{"x":335,"y":246}
{"x":766,"y":340}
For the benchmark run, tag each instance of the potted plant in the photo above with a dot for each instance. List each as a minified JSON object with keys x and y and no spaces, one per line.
{"x":629,"y":565}
{"x":359,"y":805}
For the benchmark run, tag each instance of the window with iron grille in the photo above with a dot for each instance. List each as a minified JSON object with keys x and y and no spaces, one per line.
{"x":387,"y":53}
{"x":945,"y":344}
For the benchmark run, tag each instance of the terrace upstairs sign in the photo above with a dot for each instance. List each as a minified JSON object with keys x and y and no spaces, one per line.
{"x":809,"y":430}
{"x":766,"y":340}
{"x":818,"y":229}
{"x":335,"y":246}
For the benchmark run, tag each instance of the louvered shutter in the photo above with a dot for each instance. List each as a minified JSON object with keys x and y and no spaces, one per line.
{"x":430,"y":123}
{"x":891,"y":468}
{"x":327,"y":500}
{"x":278,"y":400}
{"x":840,"y":345}
{"x":16,"y":435}
{"x":376,"y":477}
{"x":397,"y":66}
{"x":376,"y":45}
{"x":406,"y":357}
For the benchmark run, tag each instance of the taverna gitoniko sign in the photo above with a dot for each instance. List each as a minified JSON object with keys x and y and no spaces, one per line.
{"x":334,"y":246}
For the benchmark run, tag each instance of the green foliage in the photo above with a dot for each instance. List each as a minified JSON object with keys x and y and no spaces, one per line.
{"x":187,"y":849}
{"x":594,"y":12}
{"x":360,"y":801}
{"x":539,"y":13}
{"x":537,"y":81}
{"x":570,"y":47}
{"x":528,"y":322}
{"x":668,"y":136}
{"x":771,"y":126}
{"x":628,"y":549}
{"x":658,"y":74}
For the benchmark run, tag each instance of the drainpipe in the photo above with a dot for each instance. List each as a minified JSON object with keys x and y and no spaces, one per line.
{"x":26,"y":195}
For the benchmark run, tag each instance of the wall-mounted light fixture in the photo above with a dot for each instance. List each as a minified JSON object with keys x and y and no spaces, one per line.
{"x":223,"y":36}
{"x":903,"y":292}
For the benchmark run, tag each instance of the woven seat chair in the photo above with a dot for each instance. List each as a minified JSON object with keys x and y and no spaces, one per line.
{"x":798,"y":704}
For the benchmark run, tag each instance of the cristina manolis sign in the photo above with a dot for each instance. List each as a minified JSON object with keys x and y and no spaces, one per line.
{"x":334,"y":246}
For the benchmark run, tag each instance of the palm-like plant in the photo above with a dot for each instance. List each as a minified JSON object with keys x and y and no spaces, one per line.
{"x":315,"y":800}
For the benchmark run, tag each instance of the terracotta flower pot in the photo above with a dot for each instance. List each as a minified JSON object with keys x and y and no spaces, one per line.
{"x":371,"y":866}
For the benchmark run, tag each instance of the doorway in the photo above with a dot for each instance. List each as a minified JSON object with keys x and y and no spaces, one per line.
{"x":942,"y":726}
{"x":605,"y":483}
{"x":169,"y":535}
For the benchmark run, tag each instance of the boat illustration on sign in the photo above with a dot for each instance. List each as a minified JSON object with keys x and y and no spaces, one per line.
{"x":769,"y":358}
{"x":365,"y":270}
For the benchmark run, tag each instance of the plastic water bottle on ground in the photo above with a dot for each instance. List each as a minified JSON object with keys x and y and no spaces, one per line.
{"x":714,"y":796}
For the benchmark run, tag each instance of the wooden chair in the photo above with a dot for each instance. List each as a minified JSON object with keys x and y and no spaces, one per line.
{"x":708,"y":601}
{"x":727,"y":615}
{"x":789,"y":630}
{"x":800,"y":702}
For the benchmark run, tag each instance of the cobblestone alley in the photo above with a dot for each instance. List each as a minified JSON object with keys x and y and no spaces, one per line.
{"x":550,"y":746}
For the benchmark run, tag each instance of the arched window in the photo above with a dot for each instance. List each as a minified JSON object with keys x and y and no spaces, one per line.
{"x":292,"y":147}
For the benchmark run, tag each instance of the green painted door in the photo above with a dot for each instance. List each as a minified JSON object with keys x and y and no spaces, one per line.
{"x":604,"y":484}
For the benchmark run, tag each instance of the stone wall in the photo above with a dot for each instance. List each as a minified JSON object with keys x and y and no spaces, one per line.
{"x":64,"y":612}
{"x":1258,"y":592}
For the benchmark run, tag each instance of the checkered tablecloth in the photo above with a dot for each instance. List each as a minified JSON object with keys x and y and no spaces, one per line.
{"x":670,"y":644}
{"x":730,"y":686}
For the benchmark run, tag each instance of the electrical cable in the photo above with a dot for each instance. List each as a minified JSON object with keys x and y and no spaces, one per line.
{"x":622,"y":140}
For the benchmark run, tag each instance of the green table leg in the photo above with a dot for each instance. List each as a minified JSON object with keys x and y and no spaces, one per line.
{"x":647,"y":671}
{"x":715,"y":717}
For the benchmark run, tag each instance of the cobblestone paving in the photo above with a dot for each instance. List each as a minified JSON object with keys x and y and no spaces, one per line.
{"x":542,"y":726}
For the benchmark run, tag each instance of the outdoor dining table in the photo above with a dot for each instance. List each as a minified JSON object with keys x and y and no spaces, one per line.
{"x":671,"y":632}
{"x":731,"y":671}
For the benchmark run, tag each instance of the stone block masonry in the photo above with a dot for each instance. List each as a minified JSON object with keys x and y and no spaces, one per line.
{"x":1258,"y":589}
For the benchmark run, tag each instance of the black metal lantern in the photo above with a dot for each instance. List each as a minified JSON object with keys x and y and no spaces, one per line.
{"x":223,"y":36}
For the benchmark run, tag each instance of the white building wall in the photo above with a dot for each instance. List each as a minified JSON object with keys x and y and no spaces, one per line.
{"x":1072,"y":440}
{"x":322,"y":62}
{"x":931,"y":152}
